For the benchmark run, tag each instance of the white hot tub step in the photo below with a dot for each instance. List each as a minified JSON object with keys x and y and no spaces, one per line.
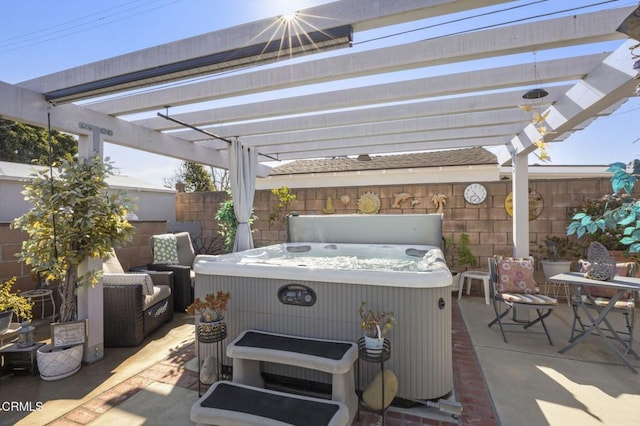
{"x":230,"y":404}
{"x":330,"y":356}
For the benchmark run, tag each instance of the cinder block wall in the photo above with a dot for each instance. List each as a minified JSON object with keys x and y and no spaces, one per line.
{"x":488,"y":225}
{"x":138,"y":252}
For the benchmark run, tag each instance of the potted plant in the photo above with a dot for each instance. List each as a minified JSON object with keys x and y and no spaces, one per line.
{"x":375,"y":325}
{"x":11,"y":303}
{"x":73,"y":219}
{"x":557,"y":254}
{"x":210,"y":314}
{"x":460,"y":253}
{"x":212,"y":308}
{"x":460,"y":256}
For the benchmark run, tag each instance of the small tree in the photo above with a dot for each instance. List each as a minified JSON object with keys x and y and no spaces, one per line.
{"x":73,"y":218}
{"x":459,"y":252}
{"x":196,"y":178}
{"x":23,"y":143}
{"x":285,"y":197}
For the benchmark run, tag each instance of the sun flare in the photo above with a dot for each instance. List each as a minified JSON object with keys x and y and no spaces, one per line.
{"x":289,"y":17}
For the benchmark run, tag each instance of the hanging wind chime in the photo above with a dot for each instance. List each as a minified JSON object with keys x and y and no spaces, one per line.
{"x":538,"y":118}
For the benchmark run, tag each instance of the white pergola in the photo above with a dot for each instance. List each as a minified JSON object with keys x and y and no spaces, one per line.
{"x":117,"y":99}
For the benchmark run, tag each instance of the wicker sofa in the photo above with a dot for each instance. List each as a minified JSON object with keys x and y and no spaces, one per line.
{"x":135,"y":304}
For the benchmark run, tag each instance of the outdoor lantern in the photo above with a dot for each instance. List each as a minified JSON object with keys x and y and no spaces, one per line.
{"x":25,"y":335}
{"x":536,"y":93}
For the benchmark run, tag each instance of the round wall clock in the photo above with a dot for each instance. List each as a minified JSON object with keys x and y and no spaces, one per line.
{"x":475,"y":193}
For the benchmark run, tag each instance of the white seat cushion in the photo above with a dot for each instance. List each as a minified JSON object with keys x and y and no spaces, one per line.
{"x":112,"y":265}
{"x":130,"y":279}
{"x":160,"y":292}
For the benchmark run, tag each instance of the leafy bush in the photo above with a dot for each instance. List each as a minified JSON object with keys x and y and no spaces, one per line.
{"x":228,"y":223}
{"x":621,"y":214}
{"x":21,"y":306}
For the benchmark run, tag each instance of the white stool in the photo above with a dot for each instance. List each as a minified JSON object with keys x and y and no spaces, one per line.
{"x":474,"y":275}
{"x":41,"y":295}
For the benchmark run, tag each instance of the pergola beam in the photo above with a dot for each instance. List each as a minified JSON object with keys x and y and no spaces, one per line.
{"x":554,"y":33}
{"x":609,"y":83}
{"x":361,"y":14}
{"x":552,"y":71}
{"x":30,"y":107}
{"x":418,"y":140}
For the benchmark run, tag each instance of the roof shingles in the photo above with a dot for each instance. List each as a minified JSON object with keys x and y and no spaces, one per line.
{"x":457,"y":157}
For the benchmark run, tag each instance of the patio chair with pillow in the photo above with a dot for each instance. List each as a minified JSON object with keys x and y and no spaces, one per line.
{"x":175,"y":253}
{"x":599,"y":297}
{"x":135,"y":304}
{"x":514,"y":287}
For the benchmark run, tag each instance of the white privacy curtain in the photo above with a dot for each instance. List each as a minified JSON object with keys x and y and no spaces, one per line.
{"x":243,"y":162}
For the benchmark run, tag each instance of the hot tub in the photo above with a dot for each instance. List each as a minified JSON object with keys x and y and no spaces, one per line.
{"x":283,"y":288}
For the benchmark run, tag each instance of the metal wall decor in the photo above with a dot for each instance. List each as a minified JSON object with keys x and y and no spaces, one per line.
{"x":400,"y":198}
{"x":439,"y":200}
{"x":536,"y":204}
{"x":369,"y":203}
{"x":328,"y":207}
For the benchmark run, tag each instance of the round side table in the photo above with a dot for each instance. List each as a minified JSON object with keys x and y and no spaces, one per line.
{"x":41,"y":295}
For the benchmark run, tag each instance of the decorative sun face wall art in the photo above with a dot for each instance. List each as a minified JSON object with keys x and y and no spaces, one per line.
{"x":369,"y":203}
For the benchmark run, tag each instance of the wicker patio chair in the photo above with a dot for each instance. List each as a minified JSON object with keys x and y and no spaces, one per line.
{"x":182,"y":268}
{"x":135,"y":304}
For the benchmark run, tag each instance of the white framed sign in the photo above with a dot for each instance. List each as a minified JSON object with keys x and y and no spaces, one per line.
{"x":71,"y":333}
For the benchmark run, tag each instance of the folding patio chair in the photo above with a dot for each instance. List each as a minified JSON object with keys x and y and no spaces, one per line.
{"x":598,"y":298}
{"x":513,"y":285}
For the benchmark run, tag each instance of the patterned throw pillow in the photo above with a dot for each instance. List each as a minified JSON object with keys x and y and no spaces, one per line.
{"x":165,"y":249}
{"x":516,"y":275}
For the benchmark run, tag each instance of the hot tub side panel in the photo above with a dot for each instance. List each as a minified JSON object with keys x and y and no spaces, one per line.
{"x":420,"y":339}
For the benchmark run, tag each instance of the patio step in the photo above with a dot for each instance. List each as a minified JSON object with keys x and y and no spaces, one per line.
{"x":335,"y":357}
{"x":228,"y":404}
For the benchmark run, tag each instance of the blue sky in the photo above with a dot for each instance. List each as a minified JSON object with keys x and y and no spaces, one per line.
{"x":38,"y":38}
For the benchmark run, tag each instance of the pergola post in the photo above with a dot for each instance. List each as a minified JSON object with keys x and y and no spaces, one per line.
{"x":91,"y":299}
{"x":520,"y":185}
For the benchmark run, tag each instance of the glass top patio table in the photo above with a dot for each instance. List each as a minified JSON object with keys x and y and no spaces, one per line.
{"x":620,"y":284}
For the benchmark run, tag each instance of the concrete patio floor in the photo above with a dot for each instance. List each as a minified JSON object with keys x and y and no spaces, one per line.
{"x":530,"y":383}
{"x":524,"y":382}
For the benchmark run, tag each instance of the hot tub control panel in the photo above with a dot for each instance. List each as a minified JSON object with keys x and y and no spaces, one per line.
{"x":296,"y":294}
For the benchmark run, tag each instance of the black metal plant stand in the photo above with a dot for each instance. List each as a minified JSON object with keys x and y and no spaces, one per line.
{"x":207,"y":333}
{"x":380,"y":357}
